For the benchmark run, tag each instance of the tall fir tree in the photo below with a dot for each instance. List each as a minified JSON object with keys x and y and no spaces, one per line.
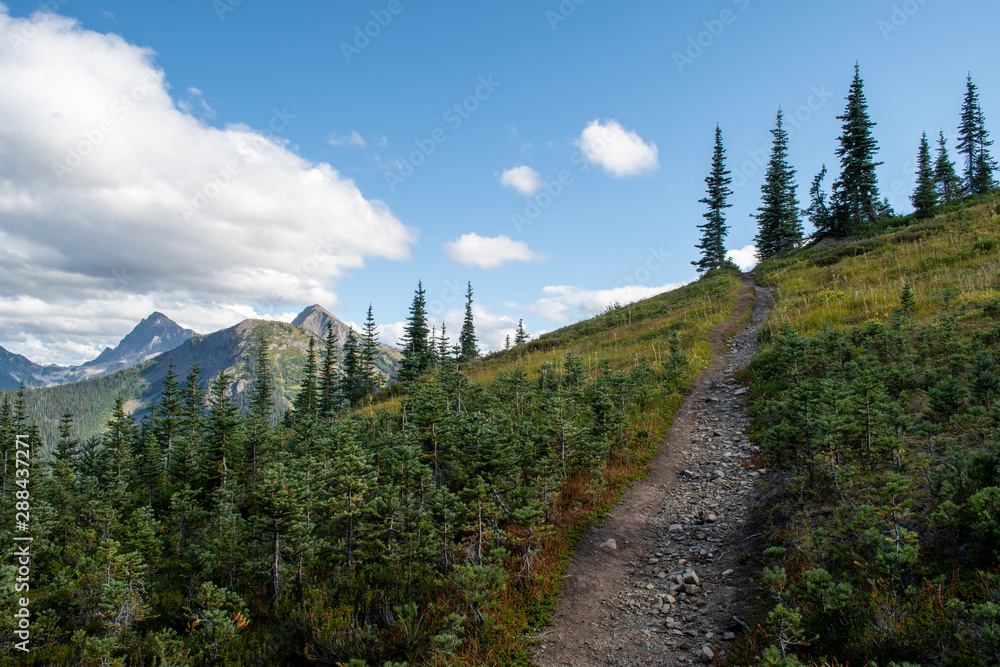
{"x":925,"y":195}
{"x":855,"y":194}
{"x":946,"y":180}
{"x":191,"y":426}
{"x":521,"y":334}
{"x":417,"y":355}
{"x":467,"y":338}
{"x":818,"y":212}
{"x":352,"y":382}
{"x":779,"y":225}
{"x":261,"y":411}
{"x":306,"y":403}
{"x":329,"y":397}
{"x":370,"y":374}
{"x":974,"y":143}
{"x":713,"y":236}
{"x":223,"y":434}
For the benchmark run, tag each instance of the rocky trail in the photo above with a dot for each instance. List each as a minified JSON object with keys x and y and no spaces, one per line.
{"x":660,"y":582}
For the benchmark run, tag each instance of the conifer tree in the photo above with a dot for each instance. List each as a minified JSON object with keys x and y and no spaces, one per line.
{"x":855,"y":194}
{"x":191,"y":426}
{"x":261,"y":410}
{"x":118,"y":443}
{"x":67,"y":445}
{"x":778,"y":218}
{"x":818,"y":212}
{"x":974,"y":144}
{"x":521,"y":334}
{"x":306,"y":404}
{"x":417,"y":355}
{"x":713,"y":238}
{"x":352,"y":381}
{"x":328,"y":385}
{"x":946,"y":180}
{"x":166,"y":413}
{"x":925,"y":196}
{"x":443,"y":347}
{"x":369,"y":354}
{"x":222,"y":436}
{"x":467,"y":337}
{"x":506,"y":342}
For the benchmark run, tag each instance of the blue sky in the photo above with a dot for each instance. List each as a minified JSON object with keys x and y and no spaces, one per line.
{"x":337,"y":117}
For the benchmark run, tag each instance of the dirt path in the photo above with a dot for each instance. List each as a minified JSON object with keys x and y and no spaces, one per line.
{"x":660,"y":580}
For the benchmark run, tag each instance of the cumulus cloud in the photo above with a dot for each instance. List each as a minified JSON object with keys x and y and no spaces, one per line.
{"x":524,"y":179}
{"x":565,"y":303}
{"x":352,"y":139}
{"x":745,"y":257}
{"x":115,"y":201}
{"x":618,"y":151}
{"x":489,"y":252}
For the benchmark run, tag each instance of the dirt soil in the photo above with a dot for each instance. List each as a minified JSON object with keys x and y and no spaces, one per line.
{"x":660,"y":580}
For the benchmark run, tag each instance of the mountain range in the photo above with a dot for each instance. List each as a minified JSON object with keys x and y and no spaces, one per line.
{"x":136,"y":367}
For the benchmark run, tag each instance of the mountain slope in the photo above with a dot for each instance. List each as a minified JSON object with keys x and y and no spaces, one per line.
{"x":15,"y":368}
{"x":152,"y":336}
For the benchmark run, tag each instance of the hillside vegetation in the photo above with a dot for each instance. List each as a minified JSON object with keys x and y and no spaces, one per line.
{"x":430,"y":527}
{"x":877,"y":398}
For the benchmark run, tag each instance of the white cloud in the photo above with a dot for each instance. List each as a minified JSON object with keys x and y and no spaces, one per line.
{"x":114,"y":202}
{"x":745,"y":257}
{"x":564,"y":303}
{"x":524,"y":179}
{"x":489,"y":252}
{"x":195,"y":104}
{"x":352,"y":139}
{"x":619,"y":151}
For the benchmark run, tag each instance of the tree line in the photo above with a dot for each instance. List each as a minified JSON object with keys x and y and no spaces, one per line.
{"x":854,"y":203}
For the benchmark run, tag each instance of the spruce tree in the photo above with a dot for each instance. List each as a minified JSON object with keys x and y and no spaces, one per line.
{"x":306,"y":402}
{"x":467,"y":337}
{"x":191,"y":425}
{"x":352,"y":381}
{"x":328,"y":386}
{"x":166,"y":412}
{"x":713,"y":237}
{"x":506,"y":342}
{"x":417,"y":355}
{"x":818,"y":212}
{"x":261,"y":410}
{"x":223,"y":434}
{"x":946,"y":180}
{"x":974,"y":144}
{"x":521,"y":334}
{"x":370,"y":374}
{"x":67,"y":445}
{"x":925,"y":196}
{"x":778,"y":218}
{"x":855,"y":194}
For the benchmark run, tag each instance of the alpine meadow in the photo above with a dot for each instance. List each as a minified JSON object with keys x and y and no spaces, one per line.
{"x":514,"y":336}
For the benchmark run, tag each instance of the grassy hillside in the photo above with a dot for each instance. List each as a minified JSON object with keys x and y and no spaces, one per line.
{"x":879,"y":405}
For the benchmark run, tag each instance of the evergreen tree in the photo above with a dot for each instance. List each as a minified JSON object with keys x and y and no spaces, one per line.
{"x":778,"y":218}
{"x":306,"y":404}
{"x":352,"y":381}
{"x":855,"y":194}
{"x":521,"y":334}
{"x":467,"y":338}
{"x":67,"y":445}
{"x":166,"y":413}
{"x":925,"y":196}
{"x":946,"y":180}
{"x":191,"y":426}
{"x":974,"y":144}
{"x":443,"y":347}
{"x":370,"y":374}
{"x":223,"y":435}
{"x":417,"y":355}
{"x":506,"y":342}
{"x":329,"y":399}
{"x":261,"y":410}
{"x":818,"y":212}
{"x":713,"y":238}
